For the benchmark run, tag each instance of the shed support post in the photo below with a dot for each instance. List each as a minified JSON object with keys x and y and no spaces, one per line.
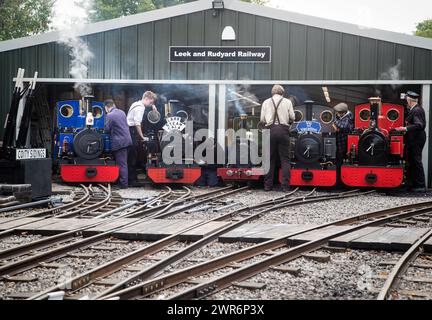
{"x":426,"y":103}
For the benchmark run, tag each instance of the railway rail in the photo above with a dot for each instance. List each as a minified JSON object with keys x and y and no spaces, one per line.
{"x":279,"y":253}
{"x":31,"y":255}
{"x":396,"y":276}
{"x":133,"y":260}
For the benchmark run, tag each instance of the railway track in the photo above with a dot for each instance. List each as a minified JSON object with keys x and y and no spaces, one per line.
{"x":113,"y":274}
{"x":391,"y":288}
{"x":32,"y":255}
{"x":209,"y":277}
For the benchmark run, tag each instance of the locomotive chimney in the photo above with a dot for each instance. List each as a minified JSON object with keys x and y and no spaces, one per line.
{"x":89,"y":110}
{"x":309,"y":105}
{"x":375,"y":111}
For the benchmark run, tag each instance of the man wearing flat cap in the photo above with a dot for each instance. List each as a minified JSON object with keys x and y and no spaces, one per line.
{"x":343,"y":125}
{"x":414,"y":143}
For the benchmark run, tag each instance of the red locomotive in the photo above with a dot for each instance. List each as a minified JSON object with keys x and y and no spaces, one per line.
{"x":375,"y":148}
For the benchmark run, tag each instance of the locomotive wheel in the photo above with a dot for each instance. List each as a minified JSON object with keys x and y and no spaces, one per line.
{"x":88,"y":144}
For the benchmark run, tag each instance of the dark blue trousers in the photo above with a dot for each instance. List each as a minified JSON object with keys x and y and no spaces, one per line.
{"x":121,"y":160}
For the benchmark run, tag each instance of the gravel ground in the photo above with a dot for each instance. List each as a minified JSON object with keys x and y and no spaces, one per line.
{"x":314,"y":213}
{"x":349,"y":275}
{"x":327,"y":211}
{"x":16,"y":240}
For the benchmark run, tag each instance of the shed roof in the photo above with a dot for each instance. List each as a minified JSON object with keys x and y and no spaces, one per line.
{"x":234,"y":5}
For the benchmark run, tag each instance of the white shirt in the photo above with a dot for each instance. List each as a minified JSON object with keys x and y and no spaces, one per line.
{"x":135,"y":114}
{"x":285,"y":111}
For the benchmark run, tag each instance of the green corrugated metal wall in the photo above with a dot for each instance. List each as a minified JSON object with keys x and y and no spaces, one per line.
{"x":299,"y":52}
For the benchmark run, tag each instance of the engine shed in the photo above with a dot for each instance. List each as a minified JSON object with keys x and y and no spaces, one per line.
{"x":219,"y":59}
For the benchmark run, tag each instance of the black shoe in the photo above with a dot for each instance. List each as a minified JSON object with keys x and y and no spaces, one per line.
{"x":418,"y":190}
{"x":268,"y":189}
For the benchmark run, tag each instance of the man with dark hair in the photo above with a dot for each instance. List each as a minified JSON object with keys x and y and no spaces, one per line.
{"x":277,"y":113}
{"x":118,"y":129}
{"x":415,"y":142}
{"x":134,"y":121}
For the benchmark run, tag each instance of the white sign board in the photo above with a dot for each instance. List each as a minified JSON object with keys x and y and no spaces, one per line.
{"x":26,"y":154}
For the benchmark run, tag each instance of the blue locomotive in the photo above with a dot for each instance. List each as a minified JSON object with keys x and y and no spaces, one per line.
{"x":82,"y":147}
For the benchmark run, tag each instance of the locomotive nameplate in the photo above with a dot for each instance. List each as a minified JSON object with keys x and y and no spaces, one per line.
{"x":309,"y":126}
{"x":26,"y":154}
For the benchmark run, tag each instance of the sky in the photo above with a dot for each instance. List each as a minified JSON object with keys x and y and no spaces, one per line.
{"x":392,"y":15}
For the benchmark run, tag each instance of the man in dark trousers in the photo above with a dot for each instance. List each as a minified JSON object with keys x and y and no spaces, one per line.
{"x":343,"y":125}
{"x":118,"y":129}
{"x":277,"y":113}
{"x":415,"y":140}
{"x":134,"y":121}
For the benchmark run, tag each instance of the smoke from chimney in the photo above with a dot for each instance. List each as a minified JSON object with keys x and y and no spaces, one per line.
{"x":69,"y":19}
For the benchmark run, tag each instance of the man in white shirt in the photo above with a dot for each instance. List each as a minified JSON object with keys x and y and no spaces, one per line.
{"x":277,"y":113}
{"x":134,"y":121}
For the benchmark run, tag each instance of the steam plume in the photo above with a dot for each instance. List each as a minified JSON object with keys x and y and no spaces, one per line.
{"x":70,"y":18}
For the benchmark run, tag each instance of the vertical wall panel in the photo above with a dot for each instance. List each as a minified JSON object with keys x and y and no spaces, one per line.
{"x":422,"y":64}
{"x":129,"y":47}
{"x":229,"y":70}
{"x":246,"y":36}
{"x":297,"y":52}
{"x":46,"y":60}
{"x":29,"y":58}
{"x":212,"y":37}
{"x":280,"y":48}
{"x":61,"y":61}
{"x":263,"y":37}
{"x":368,"y":62}
{"x":386,"y":59}
{"x":96,"y":44}
{"x":332,"y":55}
{"x":161,"y":47}
{"x":178,"y":38}
{"x":10,"y":62}
{"x":145,"y":51}
{"x":195,"y":38}
{"x":112,"y":54}
{"x":315,"y":54}
{"x":4,"y":96}
{"x":405,"y":54}
{"x":350,"y":57}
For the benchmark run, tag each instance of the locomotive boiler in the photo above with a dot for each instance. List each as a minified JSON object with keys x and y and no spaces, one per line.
{"x":375,"y":148}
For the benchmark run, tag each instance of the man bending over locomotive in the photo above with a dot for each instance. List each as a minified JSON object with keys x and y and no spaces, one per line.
{"x":118,"y":129}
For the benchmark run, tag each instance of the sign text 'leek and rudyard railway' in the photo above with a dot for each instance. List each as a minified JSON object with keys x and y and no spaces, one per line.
{"x":220,"y":54}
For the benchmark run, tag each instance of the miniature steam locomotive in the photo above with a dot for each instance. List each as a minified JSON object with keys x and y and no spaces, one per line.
{"x":155,"y":126}
{"x":313,"y":146}
{"x":82,"y":147}
{"x":375,"y":148}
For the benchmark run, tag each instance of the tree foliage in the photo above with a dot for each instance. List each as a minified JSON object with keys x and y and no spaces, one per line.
{"x":110,"y":9}
{"x":424,"y":29}
{"x":20,"y":18}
